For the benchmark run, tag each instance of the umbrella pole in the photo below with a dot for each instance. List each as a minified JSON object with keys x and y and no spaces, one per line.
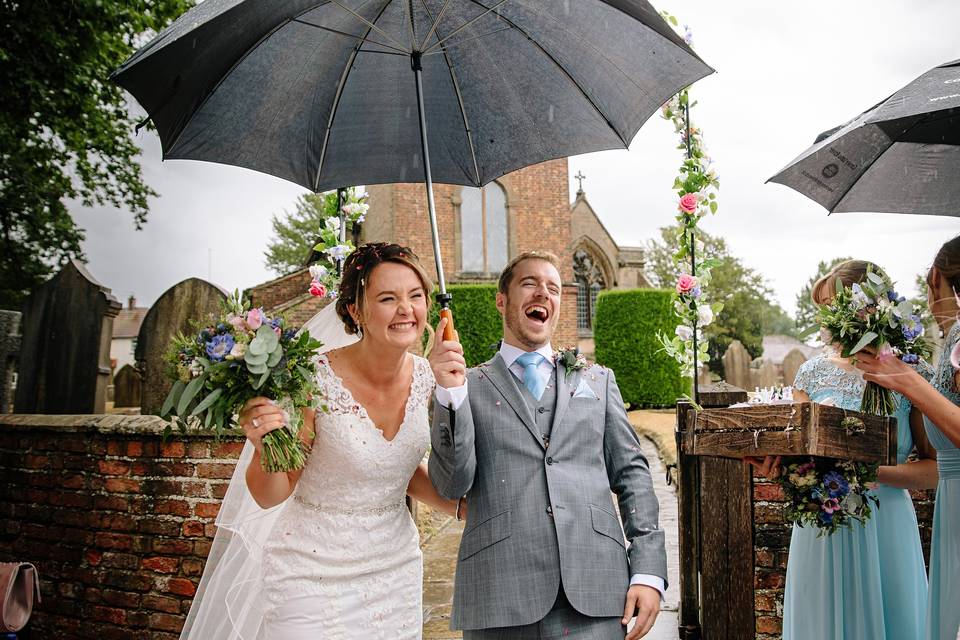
{"x":443,"y":298}
{"x":693,"y":269}
{"x":343,"y":226}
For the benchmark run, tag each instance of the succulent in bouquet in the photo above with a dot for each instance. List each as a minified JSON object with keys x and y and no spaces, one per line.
{"x":237,"y":356}
{"x":871,"y":314}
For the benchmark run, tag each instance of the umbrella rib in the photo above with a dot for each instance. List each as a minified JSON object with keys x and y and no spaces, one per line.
{"x":371,"y":25}
{"x":463,"y":112}
{"x":436,"y":22}
{"x":466,"y":24}
{"x":353,"y":36}
{"x":336,"y":98}
{"x":563,"y":70}
{"x":460,"y":42}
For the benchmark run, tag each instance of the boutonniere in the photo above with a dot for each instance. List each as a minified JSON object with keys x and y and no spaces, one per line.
{"x":571,"y":359}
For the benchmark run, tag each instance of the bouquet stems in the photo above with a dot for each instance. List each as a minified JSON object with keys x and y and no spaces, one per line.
{"x":877,"y":400}
{"x":283,"y":450}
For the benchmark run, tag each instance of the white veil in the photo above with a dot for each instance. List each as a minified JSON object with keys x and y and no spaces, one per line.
{"x":227,"y":605}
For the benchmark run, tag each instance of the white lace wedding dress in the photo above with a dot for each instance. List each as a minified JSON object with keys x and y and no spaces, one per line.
{"x":343,"y":560}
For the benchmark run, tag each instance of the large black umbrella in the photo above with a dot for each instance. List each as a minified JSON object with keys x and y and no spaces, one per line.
{"x":327,"y":93}
{"x":901,"y":156}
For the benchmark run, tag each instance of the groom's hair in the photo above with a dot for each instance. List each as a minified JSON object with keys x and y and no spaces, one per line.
{"x":506,"y":276}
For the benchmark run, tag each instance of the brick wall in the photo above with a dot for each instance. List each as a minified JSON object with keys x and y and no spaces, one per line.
{"x":772,"y":543}
{"x":118,"y":522}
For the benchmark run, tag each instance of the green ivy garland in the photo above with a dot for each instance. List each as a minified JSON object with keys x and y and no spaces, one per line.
{"x":696,"y":186}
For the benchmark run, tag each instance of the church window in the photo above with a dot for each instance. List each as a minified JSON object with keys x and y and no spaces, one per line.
{"x":483,"y":229}
{"x":590,"y":282}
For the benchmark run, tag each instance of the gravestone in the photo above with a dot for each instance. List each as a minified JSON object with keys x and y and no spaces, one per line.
{"x":67,"y":326}
{"x":177,"y":310}
{"x":126,"y":387}
{"x":736,"y":366}
{"x":9,"y":351}
{"x":791,"y":364}
{"x":765,"y":375}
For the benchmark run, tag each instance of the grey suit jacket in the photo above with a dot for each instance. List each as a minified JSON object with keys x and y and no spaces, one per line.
{"x":541,"y":514}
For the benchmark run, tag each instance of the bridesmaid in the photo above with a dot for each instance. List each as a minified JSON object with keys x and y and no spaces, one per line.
{"x":939,"y":403}
{"x":866,"y":582}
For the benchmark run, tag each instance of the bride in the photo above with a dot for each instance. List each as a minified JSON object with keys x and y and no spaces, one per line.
{"x":330,"y":551}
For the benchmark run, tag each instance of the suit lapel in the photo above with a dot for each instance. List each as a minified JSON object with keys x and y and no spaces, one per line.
{"x":501,"y":378}
{"x":564,"y":392}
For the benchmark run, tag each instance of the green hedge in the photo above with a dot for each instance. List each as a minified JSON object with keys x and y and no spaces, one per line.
{"x":476,"y":319}
{"x":625,"y":336}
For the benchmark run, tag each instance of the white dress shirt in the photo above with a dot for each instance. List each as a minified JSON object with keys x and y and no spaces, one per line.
{"x":454,"y":397}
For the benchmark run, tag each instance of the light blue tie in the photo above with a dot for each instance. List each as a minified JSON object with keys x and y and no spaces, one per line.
{"x":532,"y":380}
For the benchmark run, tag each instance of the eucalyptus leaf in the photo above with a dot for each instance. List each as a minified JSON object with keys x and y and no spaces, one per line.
{"x":865,"y":340}
{"x":275,"y":358}
{"x":189,"y":394}
{"x":206,"y":402}
{"x":175,"y":391}
{"x":874,"y":278}
{"x":257,"y":347}
{"x":263,"y":379}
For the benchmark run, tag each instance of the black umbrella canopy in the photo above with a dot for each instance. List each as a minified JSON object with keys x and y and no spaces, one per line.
{"x":900,"y":156}
{"x":321,"y":93}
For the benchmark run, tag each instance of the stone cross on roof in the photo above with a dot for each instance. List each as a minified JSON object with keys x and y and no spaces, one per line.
{"x":580,"y":178}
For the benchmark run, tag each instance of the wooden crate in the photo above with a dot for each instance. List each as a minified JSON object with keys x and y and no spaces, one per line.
{"x":803,"y":428}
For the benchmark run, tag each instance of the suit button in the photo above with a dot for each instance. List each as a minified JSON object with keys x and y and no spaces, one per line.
{"x":549,"y":511}
{"x":549,"y":460}
{"x":541,"y":410}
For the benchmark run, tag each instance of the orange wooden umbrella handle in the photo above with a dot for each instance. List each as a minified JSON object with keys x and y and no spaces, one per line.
{"x":449,"y":333}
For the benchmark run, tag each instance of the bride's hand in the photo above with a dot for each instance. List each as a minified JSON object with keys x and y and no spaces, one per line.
{"x":259,"y":417}
{"x":768,"y":467}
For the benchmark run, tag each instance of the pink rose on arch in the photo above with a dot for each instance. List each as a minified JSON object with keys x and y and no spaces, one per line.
{"x":254,"y":318}
{"x":317,"y":289}
{"x":688,"y":203}
{"x":686,"y":283}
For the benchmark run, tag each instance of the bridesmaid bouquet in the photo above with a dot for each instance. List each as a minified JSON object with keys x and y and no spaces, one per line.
{"x":828,"y":494}
{"x":238,"y":356}
{"x":872,"y":314}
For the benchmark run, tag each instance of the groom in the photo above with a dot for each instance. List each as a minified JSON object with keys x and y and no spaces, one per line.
{"x":536,"y":448}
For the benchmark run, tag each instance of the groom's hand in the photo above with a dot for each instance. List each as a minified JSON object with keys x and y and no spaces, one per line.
{"x":446,"y":359}
{"x":643,"y":602}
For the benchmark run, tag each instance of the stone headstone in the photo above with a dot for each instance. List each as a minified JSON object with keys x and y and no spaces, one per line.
{"x":9,"y":352}
{"x":791,"y":364}
{"x":736,"y":366}
{"x":126,"y":387}
{"x":765,"y":375}
{"x":177,"y":310}
{"x":66,"y":330}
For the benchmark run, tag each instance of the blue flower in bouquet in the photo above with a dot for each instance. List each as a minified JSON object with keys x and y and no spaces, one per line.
{"x":859,"y":299}
{"x":836,"y":485}
{"x":275,"y":323}
{"x":222,"y":328}
{"x":910,"y":358}
{"x":912,"y":327}
{"x":289,"y":334}
{"x":826,"y":518}
{"x":219,"y":347}
{"x":893,"y":296}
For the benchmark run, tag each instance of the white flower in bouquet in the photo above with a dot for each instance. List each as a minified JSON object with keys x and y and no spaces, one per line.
{"x":704,"y":315}
{"x":236,"y":353}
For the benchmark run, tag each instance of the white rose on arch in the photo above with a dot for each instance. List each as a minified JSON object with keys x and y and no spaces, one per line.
{"x":333,"y":224}
{"x":704,"y":315}
{"x":684,"y":332}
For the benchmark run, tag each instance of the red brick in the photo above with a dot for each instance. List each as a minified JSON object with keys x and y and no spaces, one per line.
{"x":110,"y":503}
{"x":161,"y":564}
{"x":172,"y":450}
{"x":121,"y":561}
{"x":768,"y":580}
{"x":115,"y":448}
{"x":134,"y":449}
{"x":198,"y":450}
{"x":191,"y":567}
{"x":196,"y":489}
{"x":206,"y":509}
{"x":93,"y":557}
{"x":165,"y":604}
{"x":166,"y":622}
{"x":172,"y":507}
{"x":767,"y":624}
{"x":181,"y":587}
{"x":122,"y":485}
{"x":113,"y":540}
{"x":122,"y":599}
{"x":765,"y":602}
{"x":768,"y":492}
{"x":192,"y":529}
{"x":114,"y":467}
{"x":73,"y":481}
{"x":174,"y":546}
{"x":215,"y":470}
{"x":109,"y":614}
{"x":35,"y":462}
{"x":763,"y":558}
{"x":227,"y":450}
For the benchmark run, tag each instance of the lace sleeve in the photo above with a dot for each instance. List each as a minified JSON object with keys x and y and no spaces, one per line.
{"x":805,"y":376}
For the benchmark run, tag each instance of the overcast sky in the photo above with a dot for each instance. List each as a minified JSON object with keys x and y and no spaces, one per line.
{"x":785,"y":72}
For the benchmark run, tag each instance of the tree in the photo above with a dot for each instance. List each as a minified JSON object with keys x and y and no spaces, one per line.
{"x":65,"y":129}
{"x":749,"y":312}
{"x":298,"y":232}
{"x":806,"y":310}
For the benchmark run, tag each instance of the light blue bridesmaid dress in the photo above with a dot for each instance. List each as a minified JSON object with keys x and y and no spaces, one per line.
{"x":943,"y":607}
{"x":866,"y":582}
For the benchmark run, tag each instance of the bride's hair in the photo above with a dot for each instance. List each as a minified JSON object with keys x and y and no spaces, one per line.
{"x":947,"y":263}
{"x":848,"y":273}
{"x":356,"y":272}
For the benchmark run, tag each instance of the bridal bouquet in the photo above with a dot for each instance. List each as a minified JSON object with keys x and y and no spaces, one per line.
{"x":872,"y":314}
{"x":828,"y":494}
{"x":238,"y":356}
